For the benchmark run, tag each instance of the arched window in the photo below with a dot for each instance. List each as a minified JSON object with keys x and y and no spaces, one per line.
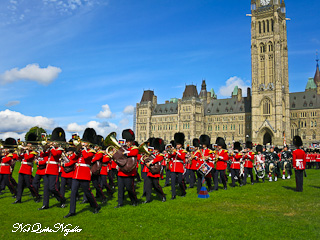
{"x":266,"y":107}
{"x":260,"y":27}
{"x":270,"y":47}
{"x":268,"y":26}
{"x":272,"y":25}
{"x":264,"y":26}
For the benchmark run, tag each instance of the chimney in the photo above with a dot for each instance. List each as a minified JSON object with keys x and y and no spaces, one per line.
{"x":166,"y":101}
{"x":239,"y":96}
{"x":154,"y":100}
{"x":248,"y":93}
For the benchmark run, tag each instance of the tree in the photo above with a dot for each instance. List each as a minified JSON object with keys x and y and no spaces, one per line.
{"x":37,"y":130}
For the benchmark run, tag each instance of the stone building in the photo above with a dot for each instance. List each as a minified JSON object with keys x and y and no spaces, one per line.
{"x":268,"y":113}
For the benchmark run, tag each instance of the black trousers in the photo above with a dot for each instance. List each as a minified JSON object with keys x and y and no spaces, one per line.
{"x":187,"y":176}
{"x":168,"y":176}
{"x":110,"y":177}
{"x":65,"y":182}
{"x":25,"y":180}
{"x":85,"y":185}
{"x":128,"y":183}
{"x":192,"y":178}
{"x":144,"y":176}
{"x":5,"y":180}
{"x":222,"y":177}
{"x":153,"y":182}
{"x":36,"y":182}
{"x":246,"y":172}
{"x":299,"y":180}
{"x":50,"y":183}
{"x":96,"y":183}
{"x":182,"y":185}
{"x":104,"y":183}
{"x":199,"y":182}
{"x":235,"y":173}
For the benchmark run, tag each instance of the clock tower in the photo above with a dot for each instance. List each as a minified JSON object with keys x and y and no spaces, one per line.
{"x":270,"y":83}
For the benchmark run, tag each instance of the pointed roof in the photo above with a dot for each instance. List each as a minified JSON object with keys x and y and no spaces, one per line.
{"x":147,"y":96}
{"x":213,"y":94}
{"x":190,"y":92}
{"x":311,"y":84}
{"x":235,"y":91}
{"x":317,"y":75}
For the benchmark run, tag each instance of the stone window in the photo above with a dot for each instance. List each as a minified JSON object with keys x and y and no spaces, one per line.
{"x":266,"y":107}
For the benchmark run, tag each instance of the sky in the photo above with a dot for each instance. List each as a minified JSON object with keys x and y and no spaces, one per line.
{"x":85,"y":63}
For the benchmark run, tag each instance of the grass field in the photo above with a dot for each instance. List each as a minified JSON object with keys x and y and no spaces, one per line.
{"x":270,"y":210}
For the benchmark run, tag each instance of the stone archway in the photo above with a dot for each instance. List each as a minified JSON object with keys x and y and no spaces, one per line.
{"x":267,"y":139}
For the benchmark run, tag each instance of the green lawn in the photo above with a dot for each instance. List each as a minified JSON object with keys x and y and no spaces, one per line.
{"x":261,"y":211}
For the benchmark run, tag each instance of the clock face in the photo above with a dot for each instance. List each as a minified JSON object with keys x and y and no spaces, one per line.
{"x":265,"y":2}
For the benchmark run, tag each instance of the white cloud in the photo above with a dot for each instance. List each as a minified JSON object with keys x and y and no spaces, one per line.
{"x":102,"y":128}
{"x":18,"y":123}
{"x":12,"y":103}
{"x":129,"y":110}
{"x":105,"y":113}
{"x":31,"y":72}
{"x":124,"y":122}
{"x":14,"y":135}
{"x":225,"y":91}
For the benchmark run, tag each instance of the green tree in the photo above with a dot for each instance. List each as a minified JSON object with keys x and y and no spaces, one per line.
{"x":37,"y":130}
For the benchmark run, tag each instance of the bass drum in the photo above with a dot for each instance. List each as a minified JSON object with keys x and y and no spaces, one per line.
{"x":259,"y":169}
{"x":271,"y":167}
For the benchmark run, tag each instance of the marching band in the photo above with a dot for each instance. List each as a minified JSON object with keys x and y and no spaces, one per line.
{"x":79,"y":162}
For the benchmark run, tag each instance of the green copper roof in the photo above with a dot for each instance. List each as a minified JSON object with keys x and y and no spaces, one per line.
{"x":174,"y":100}
{"x":213,"y":94}
{"x":311,"y":84}
{"x":235,"y":91}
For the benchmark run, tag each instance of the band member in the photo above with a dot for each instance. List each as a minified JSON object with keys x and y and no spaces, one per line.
{"x":299,"y":162}
{"x":126,"y":179}
{"x":152,"y":179}
{"x":204,"y":155}
{"x":105,"y":169}
{"x":248,"y":164}
{"x":82,"y":174}
{"x":286,"y":158}
{"x":25,"y":172}
{"x":259,"y":163}
{"x":177,"y":168}
{"x":9,"y":155}
{"x":68,"y":167}
{"x":235,"y":164}
{"x":194,"y":161}
{"x":50,"y":179}
{"x":221,"y":157}
{"x":272,"y":160}
{"x":168,"y":161}
{"x":41,"y":168}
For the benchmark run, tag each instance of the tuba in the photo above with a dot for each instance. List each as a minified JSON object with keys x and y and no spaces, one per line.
{"x":112,"y":143}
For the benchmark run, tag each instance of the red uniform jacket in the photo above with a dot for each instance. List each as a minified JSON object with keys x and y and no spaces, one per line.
{"x":205,"y":153}
{"x":236,"y":161}
{"x":82,"y":171}
{"x":27,"y":162}
{"x":73,"y":159}
{"x":223,"y":157}
{"x":53,"y":164}
{"x":318,"y":157}
{"x":249,"y":157}
{"x":5,"y":167}
{"x":178,"y":159}
{"x":195,"y":162}
{"x":105,"y":165}
{"x":44,"y":156}
{"x":133,"y":152}
{"x":157,"y":160}
{"x":299,"y":159}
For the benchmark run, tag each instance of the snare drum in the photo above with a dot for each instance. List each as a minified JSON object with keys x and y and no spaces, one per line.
{"x":204,"y":169}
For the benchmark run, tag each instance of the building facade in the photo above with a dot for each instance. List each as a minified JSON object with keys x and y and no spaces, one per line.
{"x":269,"y":114}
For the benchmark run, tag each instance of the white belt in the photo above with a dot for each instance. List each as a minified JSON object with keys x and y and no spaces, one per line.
{"x":5,"y":164}
{"x":28,"y":163}
{"x":52,"y":162}
{"x":299,"y":160}
{"x":180,"y":161}
{"x":83,"y":165}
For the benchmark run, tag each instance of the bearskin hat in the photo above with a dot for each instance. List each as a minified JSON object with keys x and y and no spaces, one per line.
{"x":179,"y":138}
{"x":89,"y":135}
{"x":220,"y":142}
{"x":149,"y":141}
{"x":204,"y":140}
{"x":196,"y":142}
{"x":172,"y":142}
{"x":58,"y":134}
{"x":9,"y":143}
{"x":297,"y":141}
{"x":249,"y":144}
{"x":99,"y":140}
{"x":158,"y":144}
{"x":237,"y":146}
{"x":32,"y":138}
{"x":259,"y":148}
{"x":128,"y":135}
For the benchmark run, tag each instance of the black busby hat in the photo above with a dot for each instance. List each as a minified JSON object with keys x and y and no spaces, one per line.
{"x":99,"y":140}
{"x":249,"y":144}
{"x":220,"y":142}
{"x":237,"y":146}
{"x":196,"y":142}
{"x":128,"y":135}
{"x":259,"y":148}
{"x":89,"y":135}
{"x":58,"y":134}
{"x":172,"y":142}
{"x":204,"y":140}
{"x":179,"y":138}
{"x":158,"y":144}
{"x":297,"y":141}
{"x":150,"y":140}
{"x":10,"y":143}
{"x":32,"y":138}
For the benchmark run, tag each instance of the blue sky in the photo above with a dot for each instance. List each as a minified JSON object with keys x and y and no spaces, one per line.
{"x":80,"y":63}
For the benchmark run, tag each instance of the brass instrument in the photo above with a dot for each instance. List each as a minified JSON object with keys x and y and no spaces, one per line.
{"x":143,"y":149}
{"x":112,"y":143}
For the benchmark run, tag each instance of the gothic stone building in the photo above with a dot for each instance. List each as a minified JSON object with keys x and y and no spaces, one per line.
{"x":268,"y":115}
